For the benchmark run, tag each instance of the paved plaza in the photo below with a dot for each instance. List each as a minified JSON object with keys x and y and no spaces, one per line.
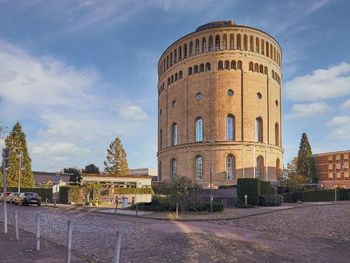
{"x":305,"y":234}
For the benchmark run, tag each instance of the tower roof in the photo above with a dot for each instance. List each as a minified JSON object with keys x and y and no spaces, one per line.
{"x":214,"y":24}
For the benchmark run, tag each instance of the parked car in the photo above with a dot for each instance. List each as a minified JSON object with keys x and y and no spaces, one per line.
{"x":11,"y":197}
{"x":28,"y":198}
{"x":2,"y":196}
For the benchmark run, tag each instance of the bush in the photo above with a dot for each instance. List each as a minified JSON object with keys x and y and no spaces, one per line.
{"x":266,"y":188}
{"x":288,"y":198}
{"x":250,"y":187}
{"x":122,"y":190}
{"x":343,"y":194}
{"x":270,"y":200}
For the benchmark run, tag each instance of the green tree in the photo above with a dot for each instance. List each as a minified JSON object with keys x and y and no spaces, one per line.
{"x":91,"y":169}
{"x":116,"y":163}
{"x":18,"y":153}
{"x":74,"y":174}
{"x":306,"y":163}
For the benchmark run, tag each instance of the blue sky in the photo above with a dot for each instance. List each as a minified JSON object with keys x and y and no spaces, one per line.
{"x":76,"y":74}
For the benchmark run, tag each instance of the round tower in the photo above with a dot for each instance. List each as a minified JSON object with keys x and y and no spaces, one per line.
{"x":219,"y":106}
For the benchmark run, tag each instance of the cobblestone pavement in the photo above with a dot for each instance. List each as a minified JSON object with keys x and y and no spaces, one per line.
{"x":309,"y":234}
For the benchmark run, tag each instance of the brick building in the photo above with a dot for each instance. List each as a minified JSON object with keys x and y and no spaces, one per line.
{"x":219,"y":106}
{"x":332,"y":169}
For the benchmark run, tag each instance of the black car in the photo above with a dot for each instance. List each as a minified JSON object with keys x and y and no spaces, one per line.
{"x":28,"y":198}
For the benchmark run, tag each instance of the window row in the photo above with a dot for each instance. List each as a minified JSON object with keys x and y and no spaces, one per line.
{"x":230,"y":131}
{"x":175,"y":77}
{"x":198,"y":167}
{"x":276,"y":77}
{"x":258,"y":68}
{"x":227,"y":65}
{"x":218,"y":43}
{"x":230,"y":167}
{"x":198,"y":69}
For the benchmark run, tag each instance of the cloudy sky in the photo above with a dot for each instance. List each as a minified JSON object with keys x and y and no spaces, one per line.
{"x":76,"y":74}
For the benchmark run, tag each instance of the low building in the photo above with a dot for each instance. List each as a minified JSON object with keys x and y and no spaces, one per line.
{"x":44,"y":179}
{"x":332,"y":169}
{"x":131,"y":181}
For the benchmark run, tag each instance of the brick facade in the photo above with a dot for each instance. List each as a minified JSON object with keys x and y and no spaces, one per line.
{"x":188,"y":89}
{"x":332,"y":169}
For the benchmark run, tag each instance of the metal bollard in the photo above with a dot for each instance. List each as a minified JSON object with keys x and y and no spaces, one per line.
{"x":69,"y":241}
{"x":117,"y":247}
{"x":246,"y":200}
{"x":46,"y":201}
{"x":37,"y":232}
{"x":16,"y":225}
{"x":177,"y":210}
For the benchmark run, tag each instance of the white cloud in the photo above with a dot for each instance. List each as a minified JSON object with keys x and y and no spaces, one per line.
{"x":340,"y":127}
{"x":304,"y":111}
{"x":133,"y":113}
{"x":321,"y":84}
{"x":345,"y":105}
{"x":71,"y":120}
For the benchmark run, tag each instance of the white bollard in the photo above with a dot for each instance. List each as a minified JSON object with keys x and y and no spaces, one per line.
{"x":69,"y":241}
{"x":117,"y":247}
{"x":246,"y":200}
{"x":16,"y":225}
{"x":37,"y":232}
{"x":177,"y":210}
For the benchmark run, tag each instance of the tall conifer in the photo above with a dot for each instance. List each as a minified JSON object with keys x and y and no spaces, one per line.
{"x":306,"y":163}
{"x":116,"y":163}
{"x":18,"y":150}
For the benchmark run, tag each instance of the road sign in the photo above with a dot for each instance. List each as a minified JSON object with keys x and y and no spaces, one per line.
{"x":55,"y":188}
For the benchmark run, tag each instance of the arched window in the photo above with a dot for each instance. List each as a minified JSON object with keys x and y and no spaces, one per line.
{"x":171,"y":59}
{"x":180,"y":53}
{"x":251,"y":43}
{"x":230,"y":128}
{"x":199,"y":167}
{"x":180,"y":74}
{"x":196,"y":50}
{"x":261,"y":68}
{"x":259,"y":168}
{"x":232,"y":41}
{"x":174,"y":134}
{"x":257,"y":46}
{"x":195,"y":69}
{"x":251,"y":66}
{"x":278,"y":169}
{"x":230,"y":167}
{"x":172,"y":78}
{"x":185,"y":51}
{"x":227,"y":64}
{"x":267,"y":49}
{"x":173,"y":169}
{"x":277,"y":134}
{"x":239,"y":46}
{"x":175,"y":56}
{"x":245,"y":42}
{"x":259,"y":130}
{"x":175,"y":76}
{"x":224,"y":42}
{"x":271,"y":51}
{"x":190,"y":53}
{"x":204,"y":45}
{"x":207,"y":67}
{"x":256,"y":67}
{"x":210,"y":44}
{"x":217,"y":43}
{"x":190,"y":71}
{"x":220,"y":65}
{"x":262,"y":46}
{"x":199,"y":130}
{"x":201,"y":68}
{"x":233,"y":64}
{"x":167,"y":61}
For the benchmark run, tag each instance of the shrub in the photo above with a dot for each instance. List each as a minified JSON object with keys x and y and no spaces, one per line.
{"x":250,"y":187}
{"x":343,"y":194}
{"x":63,"y":195}
{"x":266,"y":188}
{"x":316,"y":195}
{"x":288,"y":198}
{"x":270,"y":200}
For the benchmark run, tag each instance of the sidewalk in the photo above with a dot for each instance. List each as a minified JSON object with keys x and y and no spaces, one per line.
{"x":23,"y":251}
{"x":227,"y":214}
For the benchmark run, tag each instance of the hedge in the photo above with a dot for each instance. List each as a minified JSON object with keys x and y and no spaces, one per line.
{"x":249,"y":187}
{"x":122,"y":190}
{"x":41,"y":191}
{"x":316,"y":195}
{"x":270,"y":200}
{"x":253,"y":188}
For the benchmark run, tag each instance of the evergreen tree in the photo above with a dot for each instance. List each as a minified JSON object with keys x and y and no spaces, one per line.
{"x":91,"y":169}
{"x":306,"y":163}
{"x":18,"y":152}
{"x":116,"y":163}
{"x":74,"y":174}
